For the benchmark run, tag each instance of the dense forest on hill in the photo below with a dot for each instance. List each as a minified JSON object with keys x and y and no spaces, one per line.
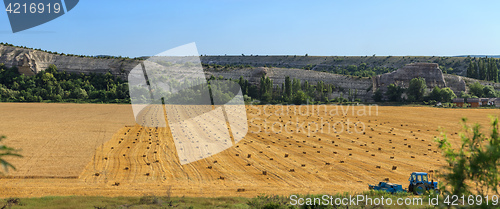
{"x":483,"y":69}
{"x":52,"y":85}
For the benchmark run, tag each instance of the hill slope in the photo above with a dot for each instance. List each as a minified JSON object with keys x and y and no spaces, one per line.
{"x":32,"y":60}
{"x":326,"y":63}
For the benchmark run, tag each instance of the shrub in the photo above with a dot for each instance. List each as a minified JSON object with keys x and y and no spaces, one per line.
{"x":474,"y":166}
{"x":377,"y":96}
{"x":447,"y":95}
{"x":7,"y":151}
{"x":394,"y":93}
{"x":269,"y":202}
{"x":476,"y":89}
{"x":416,"y":89}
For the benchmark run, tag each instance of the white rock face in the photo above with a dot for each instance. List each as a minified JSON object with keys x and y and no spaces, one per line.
{"x":344,"y":83}
{"x":31,"y":61}
{"x":429,"y":71}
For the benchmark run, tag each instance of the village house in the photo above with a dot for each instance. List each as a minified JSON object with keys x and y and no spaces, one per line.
{"x":484,"y":101}
{"x":474,"y":102}
{"x":459,"y":102}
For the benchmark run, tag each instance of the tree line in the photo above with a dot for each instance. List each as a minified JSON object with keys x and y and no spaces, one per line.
{"x":483,"y":69}
{"x":51,"y":85}
{"x":476,"y":90}
{"x":294,"y":91}
{"x":416,"y":92}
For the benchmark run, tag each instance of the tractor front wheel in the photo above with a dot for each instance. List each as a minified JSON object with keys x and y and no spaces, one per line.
{"x":419,"y":189}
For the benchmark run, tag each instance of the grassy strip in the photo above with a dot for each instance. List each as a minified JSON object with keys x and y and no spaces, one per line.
{"x":124,"y":202}
{"x":260,"y":202}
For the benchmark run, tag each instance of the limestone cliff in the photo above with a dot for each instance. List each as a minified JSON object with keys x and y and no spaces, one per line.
{"x":401,"y":77}
{"x":343,"y":83}
{"x":30,"y":61}
{"x":328,"y":63}
{"x":433,"y":77}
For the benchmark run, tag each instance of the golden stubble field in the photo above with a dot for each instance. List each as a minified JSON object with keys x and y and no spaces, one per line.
{"x":91,"y":149}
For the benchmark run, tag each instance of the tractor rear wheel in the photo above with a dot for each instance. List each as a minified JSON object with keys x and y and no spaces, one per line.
{"x":419,"y":189}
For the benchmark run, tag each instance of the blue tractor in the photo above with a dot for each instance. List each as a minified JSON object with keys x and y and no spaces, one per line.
{"x":419,"y":183}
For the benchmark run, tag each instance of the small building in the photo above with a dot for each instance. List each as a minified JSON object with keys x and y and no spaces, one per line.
{"x":491,"y":101}
{"x":484,"y":101}
{"x":497,"y":102}
{"x":474,"y":102}
{"x":459,"y":102}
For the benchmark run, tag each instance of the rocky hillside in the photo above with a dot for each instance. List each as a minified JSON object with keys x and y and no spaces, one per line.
{"x":401,"y":77}
{"x":432,"y":75}
{"x":363,"y":86}
{"x":30,"y":61}
{"x":326,"y":63}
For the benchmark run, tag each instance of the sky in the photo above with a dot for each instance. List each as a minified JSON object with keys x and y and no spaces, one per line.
{"x":270,"y":27}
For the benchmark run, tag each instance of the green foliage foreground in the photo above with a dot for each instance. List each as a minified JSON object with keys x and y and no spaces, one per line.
{"x":474,"y":166}
{"x":148,"y":201}
{"x":5,"y":152}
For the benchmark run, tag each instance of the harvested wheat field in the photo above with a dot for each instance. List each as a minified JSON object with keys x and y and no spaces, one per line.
{"x":73,"y":149}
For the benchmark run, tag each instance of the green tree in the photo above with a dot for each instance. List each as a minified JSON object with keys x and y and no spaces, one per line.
{"x":394,"y":93}
{"x":470,"y":70}
{"x":473,"y":167}
{"x":482,"y":70}
{"x":447,"y":95}
{"x":435,"y":94}
{"x":300,"y":97}
{"x":492,"y":70}
{"x":295,"y":85}
{"x":306,"y":86}
{"x":416,"y":89}
{"x":476,"y":89}
{"x":476,"y":70}
{"x":489,"y":91}
{"x":266,"y":89}
{"x":78,"y":93}
{"x":378,"y":96}
{"x":244,"y":85}
{"x":5,"y":152}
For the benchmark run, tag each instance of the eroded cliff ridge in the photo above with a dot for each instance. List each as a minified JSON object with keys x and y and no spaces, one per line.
{"x":30,"y":62}
{"x":429,"y":71}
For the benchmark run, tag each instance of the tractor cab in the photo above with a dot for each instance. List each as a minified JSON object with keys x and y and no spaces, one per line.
{"x":418,"y":177}
{"x":419,"y":183}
